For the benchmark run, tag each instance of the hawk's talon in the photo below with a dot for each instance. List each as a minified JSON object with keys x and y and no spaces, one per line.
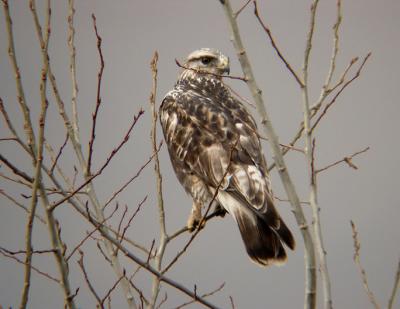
{"x":194,"y":223}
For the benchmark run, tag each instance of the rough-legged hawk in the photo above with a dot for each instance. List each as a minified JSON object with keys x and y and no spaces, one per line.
{"x":213,"y":143}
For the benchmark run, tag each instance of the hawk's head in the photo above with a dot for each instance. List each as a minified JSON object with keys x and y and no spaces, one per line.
{"x":208,"y":60}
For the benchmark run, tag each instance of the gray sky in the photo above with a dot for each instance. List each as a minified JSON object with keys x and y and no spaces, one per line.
{"x":366,"y":114}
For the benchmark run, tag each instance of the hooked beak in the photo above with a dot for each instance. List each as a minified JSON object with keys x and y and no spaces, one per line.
{"x":224,"y":65}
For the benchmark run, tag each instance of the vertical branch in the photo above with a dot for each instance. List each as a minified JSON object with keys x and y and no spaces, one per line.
{"x":310,"y":289}
{"x":98,"y":96}
{"x":160,"y":202}
{"x":38,"y":159}
{"x":72,"y":53}
{"x":55,"y":237}
{"x":20,"y":90}
{"x":309,"y":152}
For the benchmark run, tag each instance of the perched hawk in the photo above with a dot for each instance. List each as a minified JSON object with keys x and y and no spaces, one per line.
{"x":212,"y":141}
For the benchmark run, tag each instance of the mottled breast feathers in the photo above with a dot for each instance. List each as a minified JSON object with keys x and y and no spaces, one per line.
{"x":206,"y":128}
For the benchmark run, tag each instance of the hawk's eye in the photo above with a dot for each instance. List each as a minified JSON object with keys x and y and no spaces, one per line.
{"x":205,"y":60}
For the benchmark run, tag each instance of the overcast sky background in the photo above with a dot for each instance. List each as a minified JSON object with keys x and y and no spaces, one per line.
{"x":365,"y":115}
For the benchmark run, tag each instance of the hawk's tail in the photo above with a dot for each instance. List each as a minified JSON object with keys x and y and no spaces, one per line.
{"x":263,"y":235}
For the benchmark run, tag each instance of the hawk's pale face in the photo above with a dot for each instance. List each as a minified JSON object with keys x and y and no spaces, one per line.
{"x":208,"y":60}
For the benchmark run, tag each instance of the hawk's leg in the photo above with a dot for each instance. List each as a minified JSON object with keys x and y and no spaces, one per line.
{"x":195,"y":217}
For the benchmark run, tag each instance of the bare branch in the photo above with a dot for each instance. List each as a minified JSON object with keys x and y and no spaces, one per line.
{"x":2,"y":192}
{"x":395,"y":287}
{"x":59,"y":153}
{"x":112,"y":288}
{"x":232,"y":303}
{"x":113,"y":153}
{"x":363,"y":274}
{"x":89,"y":284}
{"x":30,"y":135}
{"x":15,"y":170}
{"x":4,"y":253}
{"x":340,"y":91}
{"x":241,"y":9}
{"x":123,"y":187}
{"x":309,"y":152}
{"x":145,"y":265}
{"x":279,"y":53}
{"x":204,"y":296}
{"x":55,"y":237}
{"x":347,"y":160}
{"x":310,"y":293}
{"x":79,"y":245}
{"x":98,"y":97}
{"x":160,"y":200}
{"x":131,"y":218}
{"x":72,"y":53}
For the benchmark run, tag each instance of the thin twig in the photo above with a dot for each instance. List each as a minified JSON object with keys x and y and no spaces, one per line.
{"x":333,"y":100}
{"x":25,"y":252}
{"x":131,"y":218}
{"x":113,"y":153}
{"x":396,"y":285}
{"x":113,"y":288}
{"x":98,"y":96}
{"x":4,"y":253}
{"x":59,"y":153}
{"x":276,"y":48}
{"x":89,"y":284}
{"x":162,"y":301}
{"x":363,"y":274}
{"x":15,"y":170}
{"x":2,"y":192}
{"x":232,"y":303}
{"x":125,"y":185}
{"x":241,"y":9}
{"x":145,"y":265}
{"x":204,"y":296}
{"x":12,"y":129}
{"x":347,"y":160}
{"x":80,"y":244}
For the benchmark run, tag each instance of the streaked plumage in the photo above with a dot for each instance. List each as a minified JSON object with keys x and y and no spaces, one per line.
{"x":208,"y":131}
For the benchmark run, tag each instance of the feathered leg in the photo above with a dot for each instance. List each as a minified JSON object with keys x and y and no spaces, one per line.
{"x":195,"y":217}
